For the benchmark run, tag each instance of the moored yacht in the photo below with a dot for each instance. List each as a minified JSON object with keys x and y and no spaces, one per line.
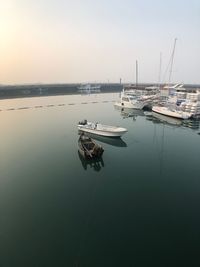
{"x":137,"y":99}
{"x":181,"y":103}
{"x":171,"y":111}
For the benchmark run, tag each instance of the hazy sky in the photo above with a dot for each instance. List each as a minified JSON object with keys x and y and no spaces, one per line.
{"x":53,"y":41}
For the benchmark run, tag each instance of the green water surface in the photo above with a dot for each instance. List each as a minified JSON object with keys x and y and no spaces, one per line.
{"x":138,"y":206}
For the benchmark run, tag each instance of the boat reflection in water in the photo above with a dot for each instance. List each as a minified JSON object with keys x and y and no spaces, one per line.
{"x":166,"y":119}
{"x":159,"y":118}
{"x":110,"y":141}
{"x":129,"y":112}
{"x":193,"y":124}
{"x":96,"y":163}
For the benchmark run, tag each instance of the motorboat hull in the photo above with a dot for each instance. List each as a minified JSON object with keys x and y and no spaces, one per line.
{"x":171,"y":113}
{"x":102,"y":130}
{"x":102,"y":133}
{"x":137,"y":100}
{"x":130,"y":105}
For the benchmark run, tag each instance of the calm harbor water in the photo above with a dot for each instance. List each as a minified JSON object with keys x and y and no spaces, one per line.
{"x":138,"y":206}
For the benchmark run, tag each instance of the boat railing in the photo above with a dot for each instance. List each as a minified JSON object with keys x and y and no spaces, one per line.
{"x":174,"y":107}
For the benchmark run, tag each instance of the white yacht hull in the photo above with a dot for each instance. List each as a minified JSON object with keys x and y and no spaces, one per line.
{"x":103,"y":130}
{"x":135,"y":100}
{"x":171,"y":113}
{"x":132,"y":105}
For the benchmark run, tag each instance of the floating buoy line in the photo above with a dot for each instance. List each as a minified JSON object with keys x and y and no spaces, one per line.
{"x":52,"y":105}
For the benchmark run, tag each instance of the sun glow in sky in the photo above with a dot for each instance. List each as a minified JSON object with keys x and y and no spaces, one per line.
{"x":52,"y":41}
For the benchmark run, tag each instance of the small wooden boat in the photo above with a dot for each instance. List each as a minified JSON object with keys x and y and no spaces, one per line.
{"x":100,"y":129}
{"x":88,"y":148}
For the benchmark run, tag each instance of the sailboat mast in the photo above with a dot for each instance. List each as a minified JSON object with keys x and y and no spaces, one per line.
{"x":136,"y":65}
{"x":172,"y":60}
{"x":159,"y":75}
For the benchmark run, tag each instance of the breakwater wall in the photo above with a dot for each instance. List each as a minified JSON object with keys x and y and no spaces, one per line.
{"x":31,"y":90}
{"x":16,"y":91}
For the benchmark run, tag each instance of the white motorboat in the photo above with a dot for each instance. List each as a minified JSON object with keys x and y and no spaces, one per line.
{"x":187,"y":100}
{"x":100,"y":129}
{"x":171,"y":112}
{"x":129,"y":101}
{"x":136,"y":100}
{"x":181,"y":103}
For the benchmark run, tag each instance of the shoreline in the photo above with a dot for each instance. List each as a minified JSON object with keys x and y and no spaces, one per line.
{"x":40,"y":90}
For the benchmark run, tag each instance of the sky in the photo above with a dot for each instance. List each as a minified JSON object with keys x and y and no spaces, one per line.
{"x":62,"y":41}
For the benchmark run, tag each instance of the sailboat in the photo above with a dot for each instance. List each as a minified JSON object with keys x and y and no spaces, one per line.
{"x":172,"y":109}
{"x":134,"y":98}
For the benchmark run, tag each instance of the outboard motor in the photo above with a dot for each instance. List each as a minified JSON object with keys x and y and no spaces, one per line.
{"x":84,"y":122}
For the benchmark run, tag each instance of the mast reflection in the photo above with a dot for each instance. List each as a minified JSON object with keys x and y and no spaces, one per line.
{"x":129,"y":112}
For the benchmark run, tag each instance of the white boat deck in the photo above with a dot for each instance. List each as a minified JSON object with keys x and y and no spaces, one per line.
{"x":101,"y":129}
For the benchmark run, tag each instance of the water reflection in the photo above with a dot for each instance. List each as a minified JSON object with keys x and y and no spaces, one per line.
{"x":95,"y":164}
{"x":108,"y":140}
{"x":129,"y":112}
{"x":193,"y":124}
{"x":159,"y":118}
{"x":166,"y":119}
